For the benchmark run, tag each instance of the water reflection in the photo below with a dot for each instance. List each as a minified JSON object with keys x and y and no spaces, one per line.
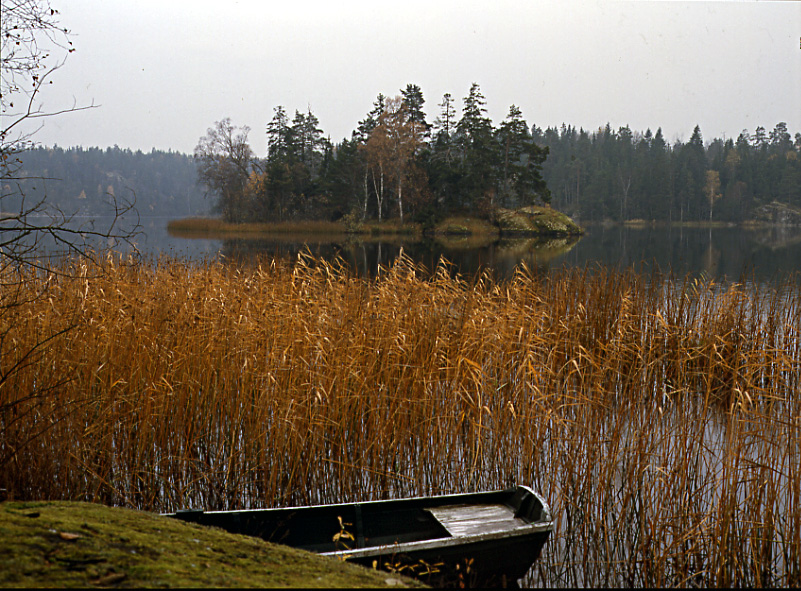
{"x":722,"y":254}
{"x":499,"y":257}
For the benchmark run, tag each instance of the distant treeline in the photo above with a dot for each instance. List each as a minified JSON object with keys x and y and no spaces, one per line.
{"x":398,"y":165}
{"x":625,"y":175}
{"x":88,"y":182}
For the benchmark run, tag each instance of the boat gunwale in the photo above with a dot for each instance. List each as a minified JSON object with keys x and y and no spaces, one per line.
{"x":437,"y":543}
{"x":441,"y":499}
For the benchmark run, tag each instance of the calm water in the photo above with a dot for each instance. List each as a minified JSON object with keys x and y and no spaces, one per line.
{"x":721,"y":254}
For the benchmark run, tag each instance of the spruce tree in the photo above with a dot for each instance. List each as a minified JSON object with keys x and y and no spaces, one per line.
{"x":414,"y":101}
{"x":479,"y":153}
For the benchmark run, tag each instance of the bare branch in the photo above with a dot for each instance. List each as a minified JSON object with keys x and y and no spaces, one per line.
{"x":35,"y":232}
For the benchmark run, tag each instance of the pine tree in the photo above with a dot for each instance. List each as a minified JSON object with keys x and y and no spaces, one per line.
{"x":512,"y":136}
{"x":279,"y":136}
{"x":414,"y":101}
{"x":625,"y":171}
{"x":368,"y":124}
{"x":440,"y":162}
{"x":691,"y":177}
{"x":444,"y":126}
{"x":478,"y":150}
{"x":521,"y":163}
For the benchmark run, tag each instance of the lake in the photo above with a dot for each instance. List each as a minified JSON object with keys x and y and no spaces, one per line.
{"x":723,"y":254}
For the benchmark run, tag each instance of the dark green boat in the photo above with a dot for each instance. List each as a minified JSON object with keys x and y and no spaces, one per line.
{"x":487,"y":539}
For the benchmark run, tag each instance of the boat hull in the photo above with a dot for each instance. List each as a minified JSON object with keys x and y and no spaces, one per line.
{"x":483,"y":563}
{"x":487,"y":539}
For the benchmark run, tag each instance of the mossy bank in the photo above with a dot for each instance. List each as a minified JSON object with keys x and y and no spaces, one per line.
{"x":66,"y":544}
{"x":536,"y":221}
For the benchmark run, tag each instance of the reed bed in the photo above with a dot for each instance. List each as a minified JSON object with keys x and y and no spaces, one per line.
{"x":660,"y":417}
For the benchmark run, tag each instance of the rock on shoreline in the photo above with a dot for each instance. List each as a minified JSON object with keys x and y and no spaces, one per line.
{"x":533,"y":220}
{"x":778,"y":214}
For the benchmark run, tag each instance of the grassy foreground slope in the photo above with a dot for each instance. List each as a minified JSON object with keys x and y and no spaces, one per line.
{"x":66,"y":544}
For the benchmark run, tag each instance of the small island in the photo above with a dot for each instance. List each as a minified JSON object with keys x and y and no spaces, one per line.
{"x":525,"y":222}
{"x":398,"y":174}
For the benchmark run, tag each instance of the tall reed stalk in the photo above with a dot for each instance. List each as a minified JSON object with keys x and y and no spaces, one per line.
{"x":659,"y":416}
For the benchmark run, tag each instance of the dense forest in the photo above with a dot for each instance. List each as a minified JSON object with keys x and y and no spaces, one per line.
{"x":89,"y":181}
{"x":624,"y":175}
{"x":397,"y":164}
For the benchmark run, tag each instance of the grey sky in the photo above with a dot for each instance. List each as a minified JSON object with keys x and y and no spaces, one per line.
{"x":163,"y":71}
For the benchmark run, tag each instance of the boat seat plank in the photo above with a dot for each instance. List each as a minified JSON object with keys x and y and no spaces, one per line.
{"x":462,"y":520}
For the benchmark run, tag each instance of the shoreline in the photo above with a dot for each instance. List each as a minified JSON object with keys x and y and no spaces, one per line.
{"x":454,"y":227}
{"x":530,"y":222}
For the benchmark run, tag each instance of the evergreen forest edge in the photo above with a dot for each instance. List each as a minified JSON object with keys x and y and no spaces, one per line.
{"x":398,"y":165}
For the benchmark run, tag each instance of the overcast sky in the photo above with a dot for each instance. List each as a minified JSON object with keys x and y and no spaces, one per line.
{"x":163,"y":71}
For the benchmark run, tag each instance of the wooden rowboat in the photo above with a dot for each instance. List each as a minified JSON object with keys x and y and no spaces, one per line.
{"x":487,"y":538}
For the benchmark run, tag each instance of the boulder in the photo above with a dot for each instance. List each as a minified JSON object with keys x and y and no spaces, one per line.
{"x":534,"y":220}
{"x":779,"y":214}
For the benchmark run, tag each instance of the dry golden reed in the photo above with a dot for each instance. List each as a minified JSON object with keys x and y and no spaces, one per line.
{"x":660,"y":417}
